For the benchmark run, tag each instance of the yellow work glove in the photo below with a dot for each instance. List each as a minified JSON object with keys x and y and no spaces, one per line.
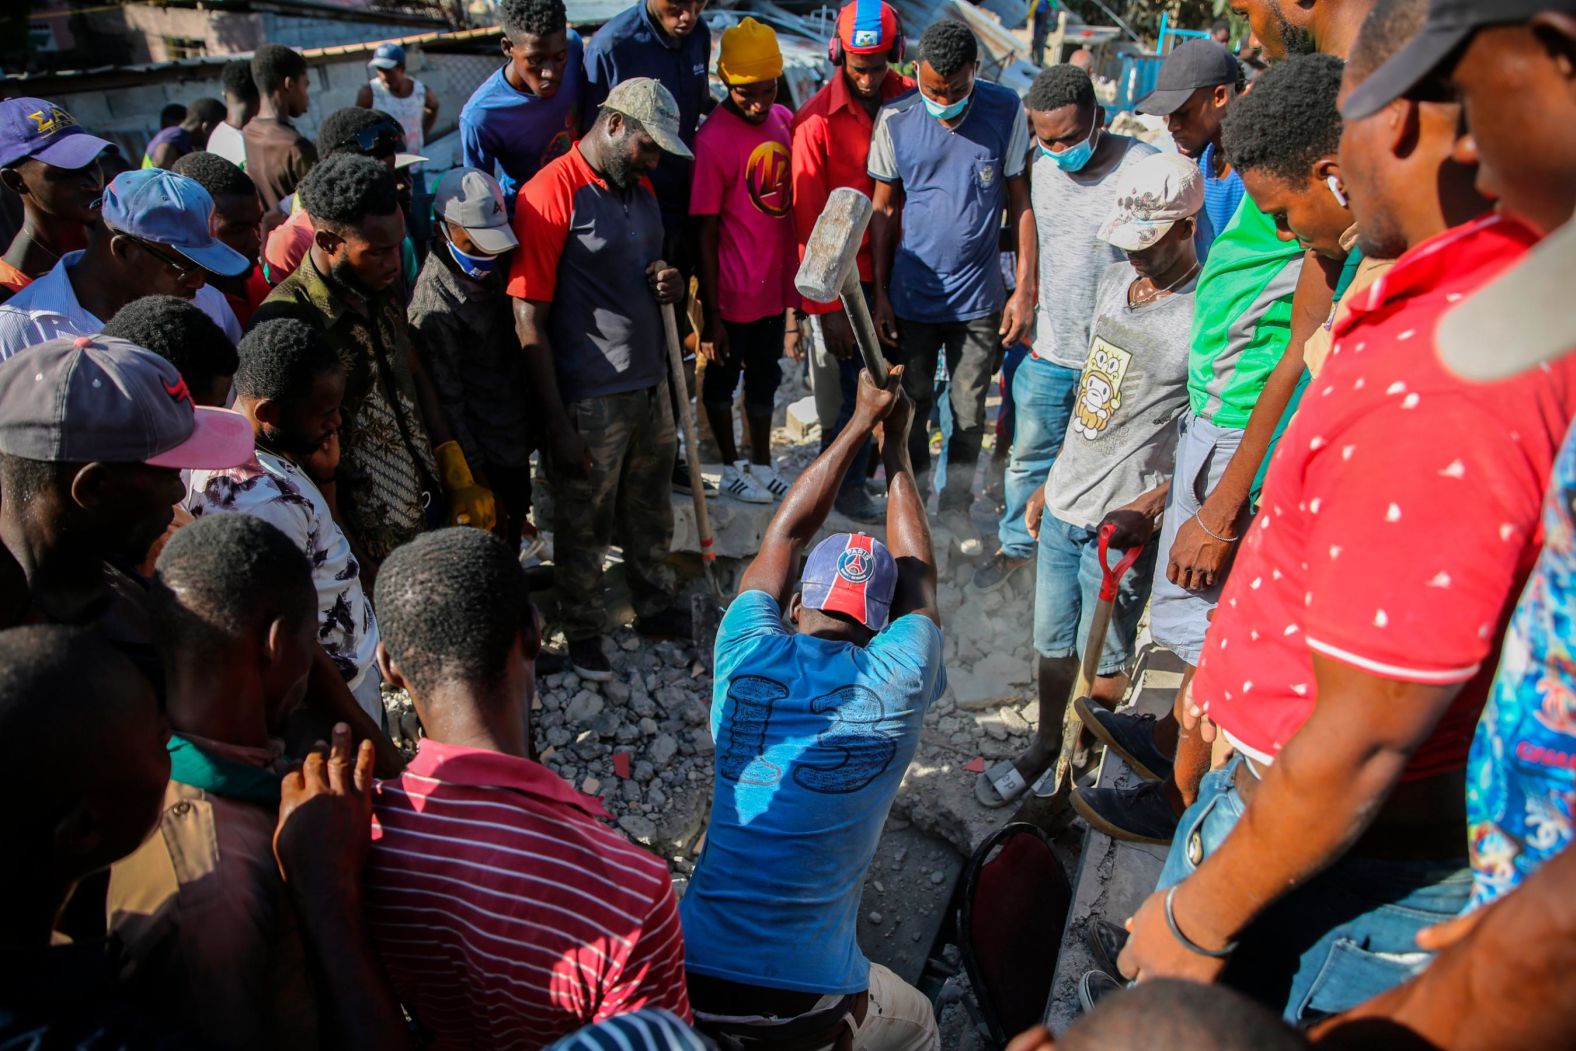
{"x":469,"y":504}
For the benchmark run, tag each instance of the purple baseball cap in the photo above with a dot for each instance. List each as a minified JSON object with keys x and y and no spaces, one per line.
{"x":95,"y":399}
{"x":40,"y":129}
{"x":169,"y":209}
{"x":851,"y":573}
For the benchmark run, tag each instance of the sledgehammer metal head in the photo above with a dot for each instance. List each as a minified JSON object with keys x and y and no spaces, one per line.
{"x":833,"y":249}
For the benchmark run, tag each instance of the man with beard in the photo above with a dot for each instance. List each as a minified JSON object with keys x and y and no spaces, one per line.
{"x":395,"y":439}
{"x":290,"y":386}
{"x":1302,"y":27}
{"x":586,"y":307}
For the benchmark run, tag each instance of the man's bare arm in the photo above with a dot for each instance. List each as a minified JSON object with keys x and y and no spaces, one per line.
{"x":908,"y":530}
{"x":566,"y":446}
{"x":1020,"y":219}
{"x":886,"y":220}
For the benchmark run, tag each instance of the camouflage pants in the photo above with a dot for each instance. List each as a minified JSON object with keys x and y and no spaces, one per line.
{"x":627,"y":497}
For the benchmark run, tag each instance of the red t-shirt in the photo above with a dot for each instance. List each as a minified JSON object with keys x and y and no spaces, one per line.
{"x":1400,"y":515}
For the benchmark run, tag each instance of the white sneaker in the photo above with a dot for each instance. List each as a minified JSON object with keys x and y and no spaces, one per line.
{"x":767,"y":475}
{"x":738,"y":483}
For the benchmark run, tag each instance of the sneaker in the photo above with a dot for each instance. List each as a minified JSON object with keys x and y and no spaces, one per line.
{"x":853,"y":502}
{"x":681,"y":479}
{"x":587,"y":660}
{"x":1095,"y":986}
{"x":1106,"y":941}
{"x":550,"y":663}
{"x":1129,"y":735}
{"x":672,"y":623}
{"x":738,"y":483}
{"x":766,"y":474}
{"x":1137,"y":815}
{"x":997,"y":571}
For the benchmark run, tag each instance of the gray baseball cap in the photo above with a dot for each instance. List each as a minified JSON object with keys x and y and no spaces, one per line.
{"x":1192,"y":65}
{"x":473,"y":200}
{"x":95,"y":399}
{"x":646,"y":100}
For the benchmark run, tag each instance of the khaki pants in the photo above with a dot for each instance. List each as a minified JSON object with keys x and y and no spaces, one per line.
{"x":899,"y":1017}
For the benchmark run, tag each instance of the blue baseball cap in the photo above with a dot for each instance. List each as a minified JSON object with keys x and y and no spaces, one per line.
{"x":387,"y":56}
{"x":169,"y":209}
{"x":851,"y":573}
{"x":40,"y":129}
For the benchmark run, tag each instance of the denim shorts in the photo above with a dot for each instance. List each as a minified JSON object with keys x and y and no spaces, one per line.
{"x":1346,"y":935}
{"x":1067,"y":586}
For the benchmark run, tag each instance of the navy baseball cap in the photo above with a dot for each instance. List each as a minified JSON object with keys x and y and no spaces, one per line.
{"x":1449,"y":25}
{"x":40,"y":129}
{"x":1190,"y":66}
{"x":851,"y":573}
{"x":169,"y":209}
{"x":387,"y":56}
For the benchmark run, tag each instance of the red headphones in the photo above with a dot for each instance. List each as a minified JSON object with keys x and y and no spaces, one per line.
{"x":834,"y":47}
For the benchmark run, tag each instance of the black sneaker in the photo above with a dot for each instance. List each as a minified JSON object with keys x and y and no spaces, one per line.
{"x":997,"y":571}
{"x":853,"y":502}
{"x":1129,"y":735}
{"x":550,"y":663}
{"x":587,"y":660}
{"x":1095,"y":986}
{"x":672,"y":623}
{"x":681,"y":483}
{"x":1137,"y":815}
{"x":1106,"y":940}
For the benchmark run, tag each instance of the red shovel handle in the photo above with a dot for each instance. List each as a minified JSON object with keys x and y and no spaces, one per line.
{"x":1112,"y":575}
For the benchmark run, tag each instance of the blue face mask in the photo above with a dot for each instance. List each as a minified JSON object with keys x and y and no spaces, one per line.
{"x":940,"y":112}
{"x":1074,"y":158}
{"x":475,"y":266}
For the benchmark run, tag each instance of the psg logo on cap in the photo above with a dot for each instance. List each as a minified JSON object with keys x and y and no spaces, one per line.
{"x":855,"y":565}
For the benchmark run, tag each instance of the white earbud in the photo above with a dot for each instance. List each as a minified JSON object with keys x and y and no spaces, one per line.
{"x":1334,"y":183}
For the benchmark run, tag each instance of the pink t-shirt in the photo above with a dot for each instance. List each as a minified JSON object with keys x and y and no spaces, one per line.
{"x":742,"y":174}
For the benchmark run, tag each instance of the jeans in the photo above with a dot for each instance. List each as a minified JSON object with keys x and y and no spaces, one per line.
{"x":1042,"y":396}
{"x":1067,"y":587}
{"x":973,"y":351}
{"x":1346,"y":935}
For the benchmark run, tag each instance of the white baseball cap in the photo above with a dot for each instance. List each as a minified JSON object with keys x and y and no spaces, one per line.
{"x":1158,"y":191}
{"x":472,"y":200}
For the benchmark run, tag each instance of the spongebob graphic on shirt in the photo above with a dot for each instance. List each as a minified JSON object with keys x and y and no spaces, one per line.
{"x":1099,"y":388}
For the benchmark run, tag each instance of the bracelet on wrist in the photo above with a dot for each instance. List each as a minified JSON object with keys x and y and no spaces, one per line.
{"x":1223,"y":539}
{"x":1188,"y":943}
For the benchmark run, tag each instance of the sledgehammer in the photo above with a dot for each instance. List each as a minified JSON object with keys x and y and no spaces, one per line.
{"x":830,"y":271}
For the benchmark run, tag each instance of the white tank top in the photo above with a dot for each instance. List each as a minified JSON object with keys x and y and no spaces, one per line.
{"x":406,"y":110}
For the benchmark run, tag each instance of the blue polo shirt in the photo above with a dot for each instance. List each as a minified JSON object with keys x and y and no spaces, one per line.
{"x":1221,"y":197}
{"x":630,"y":45}
{"x":511,"y":134}
{"x":954,"y":183}
{"x":813,"y":738}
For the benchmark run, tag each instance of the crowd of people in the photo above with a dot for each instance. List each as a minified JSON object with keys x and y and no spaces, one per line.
{"x":268,"y":415}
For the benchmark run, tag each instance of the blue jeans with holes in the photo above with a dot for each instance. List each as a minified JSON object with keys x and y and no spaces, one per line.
{"x":1346,"y":935}
{"x":1067,"y":587}
{"x":1042,"y":403}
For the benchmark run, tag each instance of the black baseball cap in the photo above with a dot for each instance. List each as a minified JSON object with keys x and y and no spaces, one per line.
{"x":1449,"y":25}
{"x":1193,"y":65}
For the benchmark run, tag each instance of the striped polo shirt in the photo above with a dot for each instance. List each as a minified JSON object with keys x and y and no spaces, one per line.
{"x":506,"y":914}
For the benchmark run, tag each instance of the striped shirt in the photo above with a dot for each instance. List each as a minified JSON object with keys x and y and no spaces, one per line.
{"x":506,"y":914}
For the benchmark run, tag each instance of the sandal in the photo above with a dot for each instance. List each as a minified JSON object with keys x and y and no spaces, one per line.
{"x":999,"y":785}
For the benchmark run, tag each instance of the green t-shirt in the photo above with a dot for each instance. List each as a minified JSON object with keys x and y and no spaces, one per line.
{"x":1241,"y":317}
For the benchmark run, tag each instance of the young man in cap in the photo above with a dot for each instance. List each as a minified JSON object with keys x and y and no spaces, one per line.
{"x":277,"y":155}
{"x":51,"y":163}
{"x":170,"y":144}
{"x":155,"y":237}
{"x":741,"y":203}
{"x":1119,"y":446}
{"x":463,"y":322}
{"x":1342,"y":832}
{"x":505,"y":911}
{"x":1075,"y":175}
{"x":831,"y":149}
{"x":238,"y":222}
{"x":199,"y":908}
{"x":1198,"y":81}
{"x":240,"y":106}
{"x":415,"y":105}
{"x":815,"y":726}
{"x":528,"y":112}
{"x":587,"y":311}
{"x":948,"y":161}
{"x":399,"y":456}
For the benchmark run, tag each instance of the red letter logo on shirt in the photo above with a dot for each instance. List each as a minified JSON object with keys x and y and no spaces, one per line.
{"x":766,"y":176}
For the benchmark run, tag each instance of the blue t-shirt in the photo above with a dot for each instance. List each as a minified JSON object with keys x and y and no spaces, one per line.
{"x":954,"y":191}
{"x":1521,"y":773}
{"x":813,"y":737}
{"x":628,"y":45}
{"x":511,"y":134}
{"x":1221,"y":197}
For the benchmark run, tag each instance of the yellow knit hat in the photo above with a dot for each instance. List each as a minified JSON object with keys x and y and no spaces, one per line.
{"x":749,"y":54}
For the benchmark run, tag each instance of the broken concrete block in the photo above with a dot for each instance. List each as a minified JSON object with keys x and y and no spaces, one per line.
{"x":802,"y":422}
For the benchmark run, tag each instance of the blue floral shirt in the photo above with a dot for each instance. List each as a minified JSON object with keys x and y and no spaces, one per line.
{"x":1522,"y":769}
